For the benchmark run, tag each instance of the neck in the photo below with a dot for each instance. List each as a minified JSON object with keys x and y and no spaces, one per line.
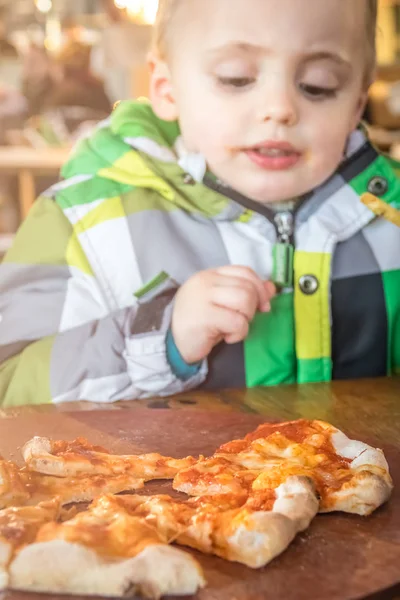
{"x":283,"y":205}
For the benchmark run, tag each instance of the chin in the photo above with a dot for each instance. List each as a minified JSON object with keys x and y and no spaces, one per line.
{"x":273,"y":187}
{"x":268,"y":196}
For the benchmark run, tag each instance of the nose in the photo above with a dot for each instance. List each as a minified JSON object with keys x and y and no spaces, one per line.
{"x":279,"y":105}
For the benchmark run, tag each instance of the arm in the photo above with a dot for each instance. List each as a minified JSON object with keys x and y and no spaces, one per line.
{"x":45,"y":284}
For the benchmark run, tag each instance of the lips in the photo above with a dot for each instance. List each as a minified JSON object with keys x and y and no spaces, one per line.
{"x":274,"y":156}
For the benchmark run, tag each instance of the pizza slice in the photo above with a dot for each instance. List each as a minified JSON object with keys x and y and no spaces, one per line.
{"x":19,"y":527}
{"x":109,"y":553}
{"x":68,"y":459}
{"x":251,"y":530}
{"x":349,"y":475}
{"x":19,"y":487}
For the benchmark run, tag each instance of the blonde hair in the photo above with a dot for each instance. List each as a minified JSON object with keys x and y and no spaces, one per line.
{"x":167,"y":9}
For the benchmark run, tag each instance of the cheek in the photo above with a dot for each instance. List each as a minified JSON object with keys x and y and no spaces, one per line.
{"x":208,"y":134}
{"x":200,"y":123}
{"x":329,"y":143}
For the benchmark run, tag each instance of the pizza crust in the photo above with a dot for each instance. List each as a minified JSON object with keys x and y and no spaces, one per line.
{"x":297,"y":500}
{"x":252,"y":532}
{"x":259,"y":539}
{"x":103,"y":550}
{"x":79,"y":457}
{"x":39,"y":449}
{"x":61,"y":567}
{"x":365,"y":493}
{"x":371,"y":485}
{"x":346,"y":447}
{"x":18,"y":527}
{"x":256,"y":538}
{"x":5,"y":556}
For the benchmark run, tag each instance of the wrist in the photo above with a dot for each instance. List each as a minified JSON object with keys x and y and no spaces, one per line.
{"x":188,"y":351}
{"x":183,"y":369}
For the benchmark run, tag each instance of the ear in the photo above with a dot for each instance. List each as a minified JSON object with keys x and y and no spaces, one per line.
{"x":161,"y":92}
{"x":360,"y":107}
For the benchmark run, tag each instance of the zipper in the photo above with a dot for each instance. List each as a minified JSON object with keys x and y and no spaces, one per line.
{"x":283,"y":250}
{"x":284,"y":222}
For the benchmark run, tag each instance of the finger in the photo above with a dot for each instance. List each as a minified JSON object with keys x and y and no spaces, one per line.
{"x":271,"y":292}
{"x":271,"y":288}
{"x":246,"y":284}
{"x":224,"y":281}
{"x":237,"y":297}
{"x":249,"y":275}
{"x":228,"y":324}
{"x":236,"y":339}
{"x":239,"y":336}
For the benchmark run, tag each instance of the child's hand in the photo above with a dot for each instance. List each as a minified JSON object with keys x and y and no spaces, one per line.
{"x":217,"y":305}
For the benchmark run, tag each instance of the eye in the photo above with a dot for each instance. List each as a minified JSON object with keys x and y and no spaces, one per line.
{"x":236,"y":82}
{"x":315,"y":92}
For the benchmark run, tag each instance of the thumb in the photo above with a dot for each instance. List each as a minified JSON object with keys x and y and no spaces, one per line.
{"x":270,"y":290}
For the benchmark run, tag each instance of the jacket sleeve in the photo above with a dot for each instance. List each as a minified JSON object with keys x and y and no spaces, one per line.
{"x":109,"y":356}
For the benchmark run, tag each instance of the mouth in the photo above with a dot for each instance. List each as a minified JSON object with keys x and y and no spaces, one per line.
{"x":274,"y":156}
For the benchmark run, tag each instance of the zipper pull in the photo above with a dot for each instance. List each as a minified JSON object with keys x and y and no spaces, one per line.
{"x":283,"y":251}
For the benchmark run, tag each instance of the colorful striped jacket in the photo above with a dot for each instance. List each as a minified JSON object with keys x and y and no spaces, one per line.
{"x":84,"y":315}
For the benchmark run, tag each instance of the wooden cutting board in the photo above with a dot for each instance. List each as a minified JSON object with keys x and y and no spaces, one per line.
{"x":339,"y":557}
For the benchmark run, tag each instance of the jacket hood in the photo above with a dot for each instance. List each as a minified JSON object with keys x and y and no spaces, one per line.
{"x":132,"y":125}
{"x":134,"y":148}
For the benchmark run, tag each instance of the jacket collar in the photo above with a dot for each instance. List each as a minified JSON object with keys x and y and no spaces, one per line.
{"x":134,"y":148}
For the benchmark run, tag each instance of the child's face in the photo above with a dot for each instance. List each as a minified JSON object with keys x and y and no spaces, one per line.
{"x":266,"y":90}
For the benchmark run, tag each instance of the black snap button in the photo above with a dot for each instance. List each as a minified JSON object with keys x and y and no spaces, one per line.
{"x":378,"y":186}
{"x":188,"y":179}
{"x":308,"y":284}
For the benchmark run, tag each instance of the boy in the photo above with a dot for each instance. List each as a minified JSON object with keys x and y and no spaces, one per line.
{"x":242,"y":247}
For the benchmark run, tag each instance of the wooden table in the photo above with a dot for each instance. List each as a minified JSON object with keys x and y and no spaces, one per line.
{"x":27,"y":163}
{"x":340,"y":556}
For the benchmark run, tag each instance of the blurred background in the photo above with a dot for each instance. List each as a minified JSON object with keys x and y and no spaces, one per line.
{"x":64,"y":63}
